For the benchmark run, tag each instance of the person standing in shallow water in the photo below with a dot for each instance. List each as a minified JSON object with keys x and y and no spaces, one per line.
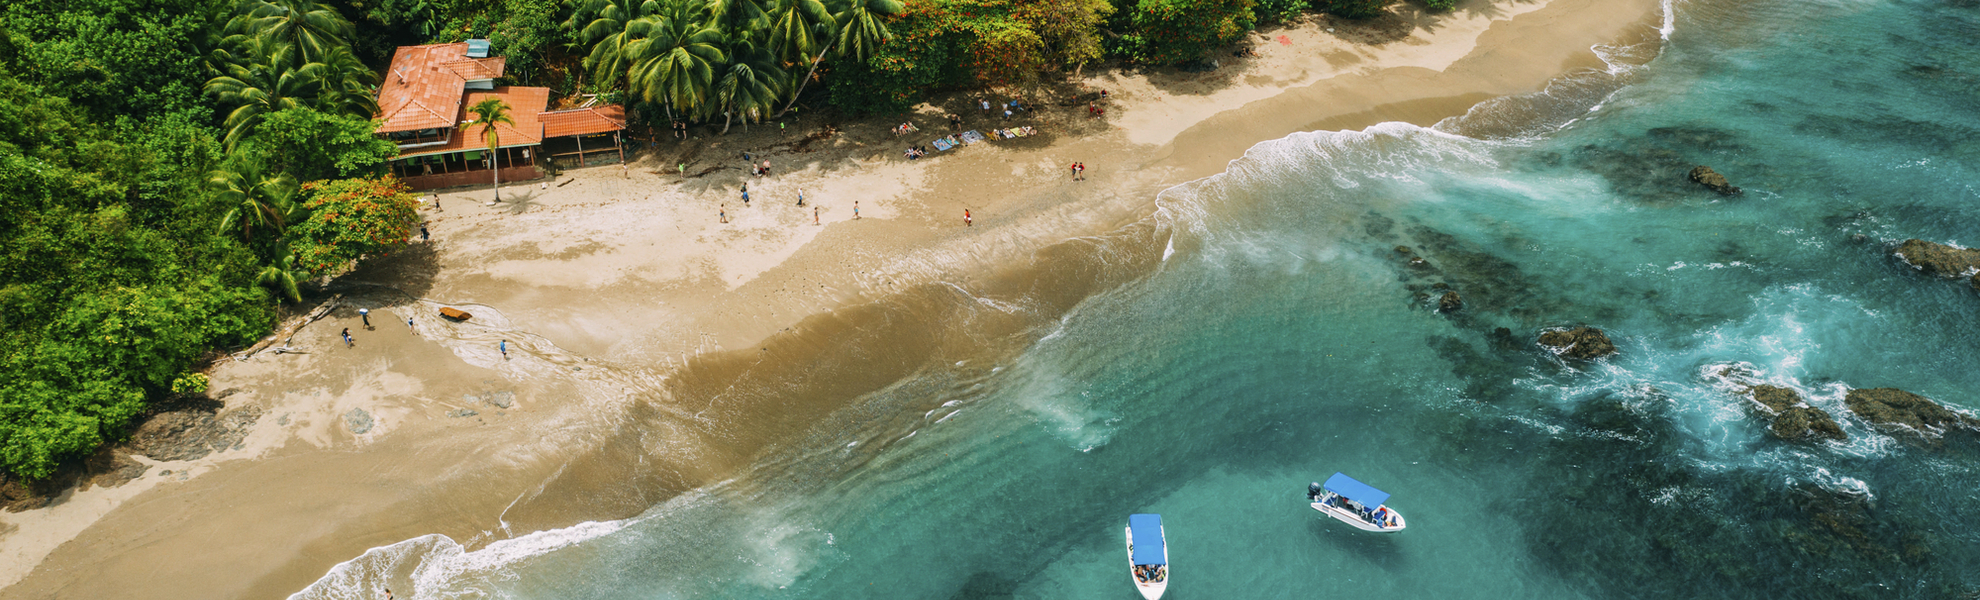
{"x":967,"y":221}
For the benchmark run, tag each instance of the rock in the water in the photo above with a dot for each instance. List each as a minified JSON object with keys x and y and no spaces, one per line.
{"x":1709,"y":178}
{"x":1794,"y":420}
{"x":1806,"y":423}
{"x":1940,"y":259}
{"x":1893,"y":409}
{"x":1403,"y":250}
{"x":1580,"y":342}
{"x":1450,"y":302}
{"x":1976,"y":281}
{"x":358,"y":420}
{"x":110,"y":468}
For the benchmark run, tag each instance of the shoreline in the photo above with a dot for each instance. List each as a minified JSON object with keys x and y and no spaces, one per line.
{"x":646,"y":337}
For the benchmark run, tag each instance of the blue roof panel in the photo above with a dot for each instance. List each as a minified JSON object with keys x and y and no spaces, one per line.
{"x":1147,"y":530}
{"x":1357,"y":491}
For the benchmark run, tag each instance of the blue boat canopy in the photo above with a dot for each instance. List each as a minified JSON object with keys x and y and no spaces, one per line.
{"x":1147,"y":530}
{"x":1357,"y":491}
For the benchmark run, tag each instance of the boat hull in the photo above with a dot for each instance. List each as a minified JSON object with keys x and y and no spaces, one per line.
{"x":1352,"y":519}
{"x":1149,"y":591}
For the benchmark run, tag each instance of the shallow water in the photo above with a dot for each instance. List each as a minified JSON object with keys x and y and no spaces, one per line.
{"x":1283,"y":338}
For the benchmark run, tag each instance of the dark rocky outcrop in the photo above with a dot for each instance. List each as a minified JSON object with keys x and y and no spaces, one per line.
{"x":1450,"y":302}
{"x":1580,"y":342}
{"x":1940,"y":259}
{"x":1794,"y":420}
{"x":1897,"y":411}
{"x":1709,"y":178}
{"x":192,"y":433}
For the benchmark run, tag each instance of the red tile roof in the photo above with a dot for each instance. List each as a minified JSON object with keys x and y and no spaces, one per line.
{"x":525,"y":105}
{"x":584,"y":121}
{"x":471,"y":69}
{"x":418,"y":93}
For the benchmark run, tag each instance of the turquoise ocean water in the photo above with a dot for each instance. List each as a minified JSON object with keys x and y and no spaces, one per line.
{"x":1282,"y":338}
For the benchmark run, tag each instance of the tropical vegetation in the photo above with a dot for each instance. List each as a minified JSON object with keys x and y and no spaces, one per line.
{"x":174,"y":172}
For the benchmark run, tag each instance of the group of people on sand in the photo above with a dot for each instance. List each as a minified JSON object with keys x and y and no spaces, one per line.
{"x":905,"y":128}
{"x":1148,"y":573}
{"x":914,"y":152}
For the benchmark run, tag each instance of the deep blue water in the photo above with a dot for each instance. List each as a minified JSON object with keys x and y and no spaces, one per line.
{"x":1284,"y":338}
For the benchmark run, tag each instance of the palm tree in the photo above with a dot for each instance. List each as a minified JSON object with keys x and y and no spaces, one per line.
{"x":254,"y":200}
{"x":736,"y":16}
{"x":261,"y":79}
{"x":798,"y":26}
{"x":312,"y":29}
{"x":750,"y":84}
{"x":612,"y":25}
{"x":489,"y":113}
{"x":860,"y":31}
{"x":344,"y":84}
{"x":282,"y":275}
{"x":675,"y":62}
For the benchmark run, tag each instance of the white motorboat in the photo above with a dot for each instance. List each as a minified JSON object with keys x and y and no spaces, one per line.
{"x":1356,"y":504}
{"x":1149,"y":562}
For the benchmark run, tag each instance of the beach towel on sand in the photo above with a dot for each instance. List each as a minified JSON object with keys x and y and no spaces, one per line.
{"x":943,"y":145}
{"x":971,"y":137}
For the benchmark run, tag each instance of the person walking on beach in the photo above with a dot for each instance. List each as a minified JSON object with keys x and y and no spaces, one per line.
{"x":1075,"y":170}
{"x":745,"y":198}
{"x":505,"y":349}
{"x":423,"y":235}
{"x":1079,"y":171}
{"x":955,"y":121}
{"x":800,"y":197}
{"x":411,"y":327}
{"x":365,"y":313}
{"x":347,"y":338}
{"x":724,"y":213}
{"x":814,"y":215}
{"x":855,"y":210}
{"x":766,"y":167}
{"x":967,"y":221}
{"x":986,"y":104}
{"x":436,"y":204}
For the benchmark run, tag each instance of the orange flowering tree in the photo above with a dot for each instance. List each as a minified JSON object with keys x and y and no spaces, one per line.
{"x":348,"y":219}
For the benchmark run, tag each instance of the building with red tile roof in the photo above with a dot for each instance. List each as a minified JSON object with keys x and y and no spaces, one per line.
{"x":424,"y":100}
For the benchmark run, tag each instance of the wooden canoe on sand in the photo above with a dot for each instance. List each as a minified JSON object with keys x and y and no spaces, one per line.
{"x":455,"y":314}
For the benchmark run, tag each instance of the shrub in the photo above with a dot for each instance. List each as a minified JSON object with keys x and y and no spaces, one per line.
{"x":1280,"y":11}
{"x":1440,"y":5}
{"x":1352,"y":9}
{"x":190,"y":383}
{"x":1168,"y":32}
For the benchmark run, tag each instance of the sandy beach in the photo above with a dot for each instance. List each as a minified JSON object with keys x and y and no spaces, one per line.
{"x":652,"y":348}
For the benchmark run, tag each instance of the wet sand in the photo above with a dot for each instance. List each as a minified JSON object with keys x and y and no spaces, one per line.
{"x":653,"y":349}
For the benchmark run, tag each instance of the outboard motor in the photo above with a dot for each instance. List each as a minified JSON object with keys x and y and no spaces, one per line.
{"x":1314,"y":491}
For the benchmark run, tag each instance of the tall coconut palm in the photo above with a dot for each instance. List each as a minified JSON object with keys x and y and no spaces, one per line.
{"x":675,"y":63}
{"x":609,"y":26}
{"x":488,"y":113}
{"x":797,"y":27}
{"x":312,"y":29}
{"x":861,"y":28}
{"x":254,"y":200}
{"x":261,"y":79}
{"x":343,"y":85}
{"x":282,"y":275}
{"x":859,"y":32}
{"x":750,"y":84}
{"x":736,"y":16}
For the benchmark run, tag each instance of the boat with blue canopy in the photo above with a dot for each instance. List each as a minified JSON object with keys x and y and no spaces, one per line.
{"x":1355,"y":503}
{"x":1149,"y":561}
